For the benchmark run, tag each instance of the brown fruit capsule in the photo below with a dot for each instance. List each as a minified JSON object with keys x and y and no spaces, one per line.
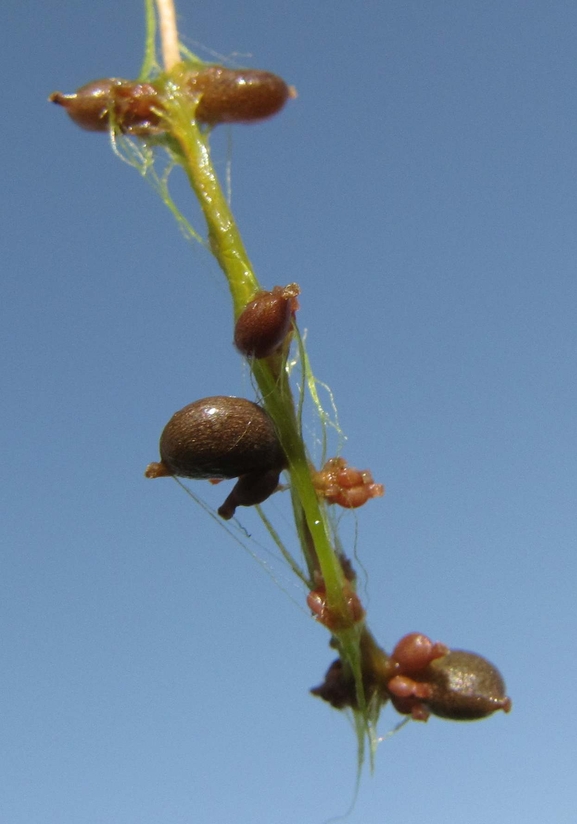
{"x":465,"y":686}
{"x":133,"y":107}
{"x":223,"y":437}
{"x":428,"y":678}
{"x":238,"y":95}
{"x":220,"y":437}
{"x":265,"y":322}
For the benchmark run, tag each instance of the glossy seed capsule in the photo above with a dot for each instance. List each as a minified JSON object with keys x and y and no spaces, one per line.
{"x":223,"y":437}
{"x":465,"y":686}
{"x":265,"y":322}
{"x":237,"y":95}
{"x":219,"y":437}
{"x":133,"y":107}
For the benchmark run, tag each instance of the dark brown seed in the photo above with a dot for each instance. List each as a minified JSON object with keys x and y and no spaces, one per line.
{"x":218,"y":437}
{"x":465,"y":687}
{"x":238,"y":95}
{"x":110,"y":101}
{"x":265,"y":322}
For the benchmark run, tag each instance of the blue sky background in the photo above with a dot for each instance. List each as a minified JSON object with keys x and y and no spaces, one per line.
{"x":422,"y":191}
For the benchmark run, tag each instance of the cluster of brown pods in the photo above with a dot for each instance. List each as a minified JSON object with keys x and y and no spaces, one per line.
{"x":420,"y":678}
{"x":221,"y":95}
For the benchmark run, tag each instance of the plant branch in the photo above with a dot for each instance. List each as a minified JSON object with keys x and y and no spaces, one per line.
{"x":324,"y":564}
{"x":168,"y":33}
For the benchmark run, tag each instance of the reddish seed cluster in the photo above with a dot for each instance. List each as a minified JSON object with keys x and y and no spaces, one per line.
{"x":317,"y":603}
{"x":412,"y":655}
{"x":420,"y":678}
{"x":344,"y":485}
{"x":265,"y":322}
{"x":454,"y":684}
{"x":221,"y":95}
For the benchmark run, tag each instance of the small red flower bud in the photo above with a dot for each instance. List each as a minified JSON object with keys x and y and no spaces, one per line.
{"x":317,"y":603}
{"x":265,"y":322}
{"x":415,"y":652}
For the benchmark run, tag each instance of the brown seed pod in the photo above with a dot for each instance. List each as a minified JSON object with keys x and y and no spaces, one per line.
{"x":465,"y":687}
{"x":223,"y":437}
{"x":354,"y":612}
{"x":220,"y":437}
{"x":428,"y":678}
{"x":237,"y":95}
{"x":265,"y":322}
{"x":133,"y":107}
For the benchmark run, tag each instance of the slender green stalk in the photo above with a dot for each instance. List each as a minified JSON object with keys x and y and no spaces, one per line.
{"x":224,"y":238}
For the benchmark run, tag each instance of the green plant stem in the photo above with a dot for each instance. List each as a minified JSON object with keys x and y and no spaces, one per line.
{"x":224,"y":238}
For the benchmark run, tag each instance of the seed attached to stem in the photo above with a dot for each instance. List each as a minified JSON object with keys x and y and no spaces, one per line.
{"x":222,"y":95}
{"x":223,"y":437}
{"x":454,"y":684}
{"x":238,"y":95}
{"x":265,"y":322}
{"x":465,"y":687}
{"x":133,"y":107}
